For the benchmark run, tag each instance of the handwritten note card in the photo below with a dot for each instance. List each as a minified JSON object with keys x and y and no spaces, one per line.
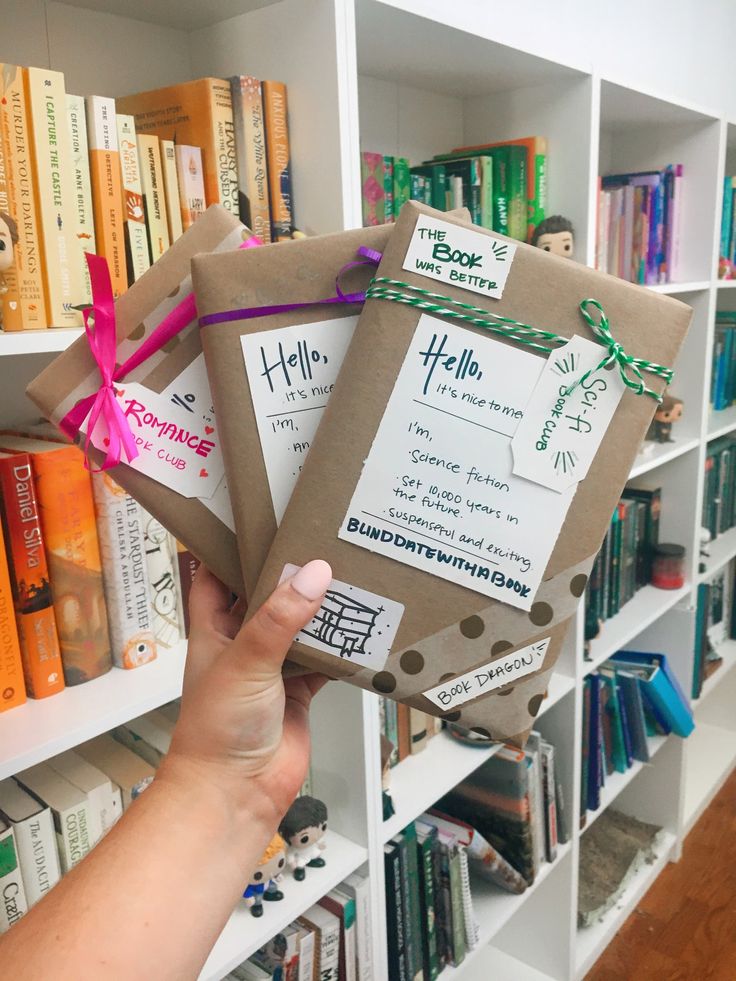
{"x":291,"y":373}
{"x":437,"y":490}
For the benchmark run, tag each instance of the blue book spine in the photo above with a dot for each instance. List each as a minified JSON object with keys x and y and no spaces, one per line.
{"x":594,"y":749}
{"x":625,"y":724}
{"x":726,"y":218}
{"x":663,"y":691}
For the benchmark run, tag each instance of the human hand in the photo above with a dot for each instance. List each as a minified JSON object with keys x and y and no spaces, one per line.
{"x":243,"y":732}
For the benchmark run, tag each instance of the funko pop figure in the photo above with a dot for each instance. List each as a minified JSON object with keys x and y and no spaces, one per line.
{"x":266,"y":877}
{"x":668,"y":412}
{"x":555,"y":235}
{"x":303,"y":829}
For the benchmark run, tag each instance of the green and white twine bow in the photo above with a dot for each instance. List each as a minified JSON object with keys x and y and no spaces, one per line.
{"x":383,"y":288}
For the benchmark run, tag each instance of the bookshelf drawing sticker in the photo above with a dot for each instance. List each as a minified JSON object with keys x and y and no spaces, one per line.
{"x":352,"y":623}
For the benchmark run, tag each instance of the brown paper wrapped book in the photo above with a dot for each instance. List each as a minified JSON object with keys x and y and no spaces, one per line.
{"x":410,"y":492}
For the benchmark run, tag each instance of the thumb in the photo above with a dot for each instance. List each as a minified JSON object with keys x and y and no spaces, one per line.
{"x":266,"y":638}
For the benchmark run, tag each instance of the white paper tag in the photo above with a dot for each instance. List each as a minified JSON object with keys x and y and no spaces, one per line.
{"x":560,"y":434}
{"x":175,"y":448}
{"x":437,"y":491}
{"x":480,"y":681}
{"x":291,"y":373}
{"x":352,"y":623}
{"x":459,"y":256}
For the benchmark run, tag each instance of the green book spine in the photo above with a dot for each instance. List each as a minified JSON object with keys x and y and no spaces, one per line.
{"x":402,"y":184}
{"x":500,"y":190}
{"x":653,"y":500}
{"x":623,"y":517}
{"x":439,"y":188}
{"x":618,"y":747}
{"x":394,"y":915}
{"x":430,"y":956}
{"x":458,"y":916}
{"x":517,"y":191}
{"x":614,"y":561}
{"x":416,"y":187}
{"x":540,"y":188}
{"x":486,"y":192}
{"x":413,"y":901}
{"x":585,"y":738}
{"x":410,"y":936}
{"x":388,"y":189}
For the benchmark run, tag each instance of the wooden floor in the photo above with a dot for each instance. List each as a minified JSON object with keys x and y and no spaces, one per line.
{"x":685,"y":927}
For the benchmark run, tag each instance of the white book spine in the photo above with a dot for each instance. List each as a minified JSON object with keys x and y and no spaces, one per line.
{"x":171,"y":187}
{"x":152,"y":182}
{"x":349,"y":936}
{"x":12,"y":894}
{"x":135,"y":218}
{"x":85,"y":219}
{"x":191,"y":183}
{"x":306,"y":956}
{"x":124,"y":573}
{"x":38,"y":854}
{"x":160,"y":547}
{"x":359,"y":888}
{"x":329,"y":961}
{"x":72,"y":835}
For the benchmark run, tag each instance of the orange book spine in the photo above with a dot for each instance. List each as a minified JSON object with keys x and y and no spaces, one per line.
{"x":107,"y":188}
{"x":12,"y":685}
{"x":279,"y":160}
{"x":66,"y":507}
{"x":34,"y":611}
{"x":24,"y":305}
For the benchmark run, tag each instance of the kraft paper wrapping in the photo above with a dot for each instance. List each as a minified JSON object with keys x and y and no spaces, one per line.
{"x":447,"y":629}
{"x":74,"y":375}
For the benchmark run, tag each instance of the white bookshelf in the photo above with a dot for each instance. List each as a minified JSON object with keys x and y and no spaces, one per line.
{"x":414,"y":77}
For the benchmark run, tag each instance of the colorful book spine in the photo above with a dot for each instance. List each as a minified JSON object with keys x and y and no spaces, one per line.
{"x":62,"y":257}
{"x":278,"y":156}
{"x":371,"y":172}
{"x":34,"y":611}
{"x":13,"y":903}
{"x":124,"y":573}
{"x":22,"y":303}
{"x":402,"y":183}
{"x":191,"y":183}
{"x":162,"y":562}
{"x":154,"y":198}
{"x":107,"y":188}
{"x":83,"y":208}
{"x":171,"y":189}
{"x":388,"y":189}
{"x":12,"y":685}
{"x":136,"y":236}
{"x":250,"y":146}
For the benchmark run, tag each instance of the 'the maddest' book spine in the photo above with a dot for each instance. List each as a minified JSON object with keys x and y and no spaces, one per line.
{"x":279,"y":159}
{"x":107,"y":190}
{"x":12,"y":685}
{"x":152,"y":181}
{"x":191,"y":183}
{"x":35,"y":618}
{"x":84,"y":227}
{"x":29,"y":311}
{"x":171,"y":189}
{"x":250,"y":148}
{"x":51,"y":156}
{"x":136,"y":236}
{"x":160,"y":548}
{"x":13,"y":903}
{"x":124,"y":573}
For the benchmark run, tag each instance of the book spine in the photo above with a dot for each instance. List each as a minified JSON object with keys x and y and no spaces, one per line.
{"x":161,"y":559}
{"x":726,"y":219}
{"x":12,"y":684}
{"x":152,"y":178}
{"x":410,"y":937}
{"x":84,"y":227}
{"x":37,"y":854}
{"x":250,"y":146}
{"x":412,"y":897}
{"x":13,"y":904}
{"x":223,"y":129}
{"x":388,"y":189}
{"x":550,"y":802}
{"x":171,"y":189}
{"x":430,"y":957}
{"x":72,"y":835}
{"x":279,"y":160}
{"x":136,"y":237}
{"x":107,"y":188}
{"x":594,"y":746}
{"x":188,"y":566}
{"x":394,"y":916}
{"x":191,"y":184}
{"x":517,"y":193}
{"x":67,"y":512}
{"x":540,"y":184}
{"x":501,"y":191}
{"x":373,"y":193}
{"x":51,"y":157}
{"x":39,"y":641}
{"x":458,"y":913}
{"x":402,"y":183}
{"x":10,"y":312}
{"x":124,"y":573}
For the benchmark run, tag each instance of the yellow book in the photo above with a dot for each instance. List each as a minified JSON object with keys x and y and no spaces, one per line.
{"x":83,"y":210}
{"x":191,"y":183}
{"x":154,"y":197}
{"x":171,"y":188}
{"x":107,"y":188}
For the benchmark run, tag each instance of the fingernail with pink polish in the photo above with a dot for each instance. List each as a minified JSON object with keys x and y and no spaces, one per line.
{"x":312,"y":579}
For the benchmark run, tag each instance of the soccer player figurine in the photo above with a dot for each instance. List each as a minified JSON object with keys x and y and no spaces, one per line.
{"x":303,"y":828}
{"x":555,"y":235}
{"x":265,"y":880}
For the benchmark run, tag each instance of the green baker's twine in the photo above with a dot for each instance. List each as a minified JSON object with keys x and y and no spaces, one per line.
{"x":382,"y":288}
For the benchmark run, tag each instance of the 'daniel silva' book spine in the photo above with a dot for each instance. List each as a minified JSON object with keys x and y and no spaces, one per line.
{"x":136,"y":236}
{"x":83,"y":209}
{"x":279,"y":160}
{"x":51,"y":157}
{"x":160,"y":549}
{"x":250,"y":146}
{"x":39,"y":641}
{"x":13,"y":903}
{"x":27,"y":310}
{"x":107,"y":190}
{"x":124,"y":573}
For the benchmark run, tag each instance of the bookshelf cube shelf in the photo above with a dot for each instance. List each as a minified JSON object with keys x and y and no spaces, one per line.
{"x":414,"y":78}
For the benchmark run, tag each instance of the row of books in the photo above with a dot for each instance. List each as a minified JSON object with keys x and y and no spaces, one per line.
{"x":728,"y":220}
{"x":639,"y":225}
{"x":88,"y":579}
{"x":723,"y":362}
{"x":407,"y":730}
{"x":502,"y":184}
{"x":714,"y":624}
{"x":632,"y":697}
{"x":624,"y":563}
{"x":331,"y":941}
{"x":719,"y":497}
{"x":123,"y":178}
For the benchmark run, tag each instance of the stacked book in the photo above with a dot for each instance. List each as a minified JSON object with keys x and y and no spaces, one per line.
{"x":639,"y":219}
{"x":632,"y":697}
{"x":88,"y":579}
{"x":407,"y":729}
{"x":719,"y":500}
{"x":723,"y":363}
{"x":503,"y":185}
{"x":714,"y":624}
{"x":124,"y":178}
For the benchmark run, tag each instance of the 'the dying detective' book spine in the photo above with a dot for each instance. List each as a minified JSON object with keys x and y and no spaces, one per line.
{"x":13,"y":903}
{"x":152,"y":181}
{"x":136,"y":236}
{"x":250,"y":149}
{"x":84,"y":227}
{"x":39,"y":641}
{"x":51,"y":158}
{"x":107,"y":188}
{"x":29,"y":312}
{"x":12,"y":684}
{"x":124,"y":573}
{"x":279,"y":160}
